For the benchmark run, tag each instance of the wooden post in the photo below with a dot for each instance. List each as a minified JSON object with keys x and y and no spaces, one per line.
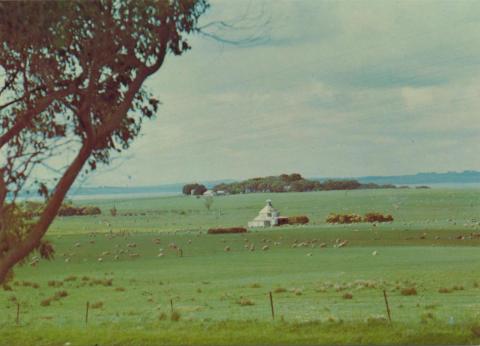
{"x":171,"y":306}
{"x":271,"y":305}
{"x":18,"y":314}
{"x":86,"y":312}
{"x":386,"y":304}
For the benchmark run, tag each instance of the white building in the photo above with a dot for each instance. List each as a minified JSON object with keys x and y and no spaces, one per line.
{"x":267,"y":217}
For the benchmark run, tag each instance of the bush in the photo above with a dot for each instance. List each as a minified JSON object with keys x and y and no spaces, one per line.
{"x":91,"y":210}
{"x":409,"y":291}
{"x":227,"y":230}
{"x":175,"y":316}
{"x":298,"y":220}
{"x":377,"y":217}
{"x":344,"y":218}
{"x":355,"y":218}
{"x":97,"y":305}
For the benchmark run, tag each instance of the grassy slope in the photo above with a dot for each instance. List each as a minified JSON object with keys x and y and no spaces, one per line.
{"x":207,"y":283}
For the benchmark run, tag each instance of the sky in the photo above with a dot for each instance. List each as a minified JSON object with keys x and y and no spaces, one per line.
{"x":322,"y":88}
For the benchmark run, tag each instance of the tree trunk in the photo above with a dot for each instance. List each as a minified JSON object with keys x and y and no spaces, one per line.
{"x":32,"y":241}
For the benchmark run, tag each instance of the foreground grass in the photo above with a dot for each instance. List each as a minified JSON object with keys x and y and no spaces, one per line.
{"x":130,"y":269}
{"x":244,"y":333}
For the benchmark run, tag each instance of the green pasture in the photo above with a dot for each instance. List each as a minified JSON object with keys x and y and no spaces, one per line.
{"x":218,"y":287}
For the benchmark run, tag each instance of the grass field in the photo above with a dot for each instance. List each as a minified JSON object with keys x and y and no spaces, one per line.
{"x":327,"y":295}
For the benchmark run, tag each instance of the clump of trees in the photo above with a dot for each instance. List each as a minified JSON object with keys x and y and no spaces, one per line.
{"x":356,"y":218}
{"x":194,"y":189}
{"x":34,"y":209}
{"x":293,"y":183}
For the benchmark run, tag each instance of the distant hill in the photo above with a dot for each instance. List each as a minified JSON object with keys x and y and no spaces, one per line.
{"x":465,"y":177}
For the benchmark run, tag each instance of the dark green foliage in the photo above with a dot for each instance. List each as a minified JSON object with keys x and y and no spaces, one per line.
{"x":298,"y":220}
{"x":355,"y":218}
{"x":377,"y":217}
{"x":227,"y":230}
{"x":195,"y":189}
{"x":344,"y":218}
{"x":292,"y":183}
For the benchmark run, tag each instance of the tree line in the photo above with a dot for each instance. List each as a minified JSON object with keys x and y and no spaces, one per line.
{"x":294,"y":183}
{"x":283,"y":183}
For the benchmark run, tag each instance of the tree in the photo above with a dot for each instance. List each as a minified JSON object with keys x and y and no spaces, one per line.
{"x":208,"y":201}
{"x":71,"y":78}
{"x":195,"y":189}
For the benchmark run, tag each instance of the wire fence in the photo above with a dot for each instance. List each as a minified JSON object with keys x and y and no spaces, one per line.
{"x":379,"y":304}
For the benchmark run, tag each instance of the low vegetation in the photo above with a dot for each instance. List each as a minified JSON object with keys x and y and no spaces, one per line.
{"x":355,"y":218}
{"x":34,"y":209}
{"x":227,"y":230}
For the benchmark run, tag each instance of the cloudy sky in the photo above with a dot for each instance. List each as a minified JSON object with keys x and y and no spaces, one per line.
{"x":328,"y":88}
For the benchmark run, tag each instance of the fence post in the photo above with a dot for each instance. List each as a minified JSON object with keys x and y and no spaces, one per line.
{"x":86,"y":312}
{"x":18,"y":314}
{"x":171,"y":306}
{"x":386,"y":304}
{"x":271,"y":305}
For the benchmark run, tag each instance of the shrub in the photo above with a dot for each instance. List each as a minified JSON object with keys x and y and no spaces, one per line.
{"x":227,"y":230}
{"x":355,"y":218}
{"x":343,"y":218}
{"x":54,"y":283}
{"x":90,"y":210}
{"x":175,"y":316}
{"x":445,"y":290}
{"x":347,"y":295}
{"x":97,"y":305}
{"x":46,"y":302}
{"x":245,"y":302}
{"x":409,"y":291}
{"x":70,"y":278}
{"x":377,"y":217}
{"x":60,"y":294}
{"x":298,"y":220}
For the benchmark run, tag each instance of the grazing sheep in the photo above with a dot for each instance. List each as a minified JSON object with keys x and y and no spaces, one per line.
{"x":100,"y":259}
{"x":226,"y":249}
{"x":265,"y":248}
{"x":252,"y":247}
{"x":374,"y":253}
